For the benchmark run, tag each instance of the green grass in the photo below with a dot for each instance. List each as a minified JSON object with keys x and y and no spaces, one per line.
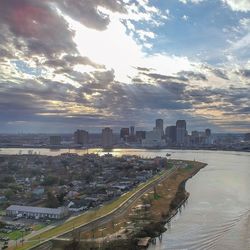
{"x":189,"y":166}
{"x":86,"y":217}
{"x":38,"y":227}
{"x":2,"y":212}
{"x":157,"y":196}
{"x":14,"y":235}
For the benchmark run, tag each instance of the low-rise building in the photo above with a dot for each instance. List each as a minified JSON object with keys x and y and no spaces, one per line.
{"x":37,"y":212}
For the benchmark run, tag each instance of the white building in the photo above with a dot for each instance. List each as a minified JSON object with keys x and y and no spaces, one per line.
{"x":37,"y":212}
{"x":153,"y":139}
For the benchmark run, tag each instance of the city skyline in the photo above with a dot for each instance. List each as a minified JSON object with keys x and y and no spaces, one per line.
{"x":69,"y":65}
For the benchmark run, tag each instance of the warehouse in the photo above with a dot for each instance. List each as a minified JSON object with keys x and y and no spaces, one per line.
{"x":37,"y":212}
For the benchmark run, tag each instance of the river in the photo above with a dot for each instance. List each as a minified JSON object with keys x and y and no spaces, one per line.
{"x":217,"y":214}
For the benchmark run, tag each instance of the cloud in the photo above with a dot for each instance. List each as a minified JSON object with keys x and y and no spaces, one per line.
{"x":68,"y":62}
{"x":191,"y":1}
{"x":220,"y":73}
{"x":244,"y":72}
{"x":190,"y":75}
{"x":31,"y":23}
{"x":88,"y":12}
{"x":238,"y":5}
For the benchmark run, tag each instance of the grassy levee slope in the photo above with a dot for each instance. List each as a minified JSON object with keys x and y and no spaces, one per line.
{"x":85,"y":218}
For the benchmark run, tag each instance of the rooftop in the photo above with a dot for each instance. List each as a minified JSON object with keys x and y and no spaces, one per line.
{"x":41,"y":210}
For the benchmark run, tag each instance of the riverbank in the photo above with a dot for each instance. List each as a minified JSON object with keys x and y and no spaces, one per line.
{"x":146,"y":218}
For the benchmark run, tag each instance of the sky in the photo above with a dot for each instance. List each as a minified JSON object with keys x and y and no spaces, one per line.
{"x":88,"y":64}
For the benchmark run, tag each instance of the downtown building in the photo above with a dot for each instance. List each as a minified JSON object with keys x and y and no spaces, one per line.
{"x":107,"y":138}
{"x":124,"y":134}
{"x":153,"y":139}
{"x":181,"y":132}
{"x":170,"y":135}
{"x":81,"y":137}
{"x":159,"y":126}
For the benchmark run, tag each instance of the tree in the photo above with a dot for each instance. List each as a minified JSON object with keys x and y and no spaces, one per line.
{"x":50,"y":180}
{"x":52,"y":201}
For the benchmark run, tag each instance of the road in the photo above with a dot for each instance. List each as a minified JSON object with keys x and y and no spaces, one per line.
{"x":116,"y":213}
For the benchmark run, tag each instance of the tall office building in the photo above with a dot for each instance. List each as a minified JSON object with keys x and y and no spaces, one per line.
{"x":208,"y":132}
{"x":81,"y":137}
{"x":181,"y":132}
{"x":107,"y":138}
{"x":159,"y":126}
{"x":209,"y":137}
{"x":140,"y":135}
{"x":170,"y":134}
{"x":153,"y":139}
{"x":124,"y":133}
{"x":132,"y":130}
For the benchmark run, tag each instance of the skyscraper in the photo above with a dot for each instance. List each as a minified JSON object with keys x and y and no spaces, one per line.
{"x":124,"y":133}
{"x":159,"y":126}
{"x":140,"y":135}
{"x":208,"y":132}
{"x":81,"y":137}
{"x":132,"y":130}
{"x":181,"y":132}
{"x":107,"y":138}
{"x":170,"y":134}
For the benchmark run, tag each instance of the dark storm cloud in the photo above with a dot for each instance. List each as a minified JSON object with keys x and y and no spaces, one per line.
{"x":148,"y":96}
{"x":42,"y":89}
{"x":182,"y":76}
{"x":86,"y":11}
{"x":5,"y":53}
{"x":37,"y":28}
{"x":244,"y":72}
{"x":199,"y":96}
{"x":220,"y":73}
{"x":40,"y":28}
{"x":74,"y":60}
{"x":233,"y":101}
{"x":160,"y":77}
{"x":190,"y":75}
{"x":66,"y":64}
{"x":217,"y":72}
{"x":245,"y":110}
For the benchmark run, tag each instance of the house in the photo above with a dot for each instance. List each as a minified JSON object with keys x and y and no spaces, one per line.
{"x":39,"y":191}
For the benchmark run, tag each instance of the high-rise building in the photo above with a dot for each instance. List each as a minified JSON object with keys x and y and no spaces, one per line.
{"x":107,"y":138}
{"x":124,"y":133}
{"x":159,"y":126}
{"x":181,"y":132}
{"x":209,"y":137}
{"x":132,"y":130}
{"x":140,"y":135}
{"x":170,"y":134}
{"x":55,"y":140}
{"x":153,"y":139}
{"x":208,"y":132}
{"x":81,"y":137}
